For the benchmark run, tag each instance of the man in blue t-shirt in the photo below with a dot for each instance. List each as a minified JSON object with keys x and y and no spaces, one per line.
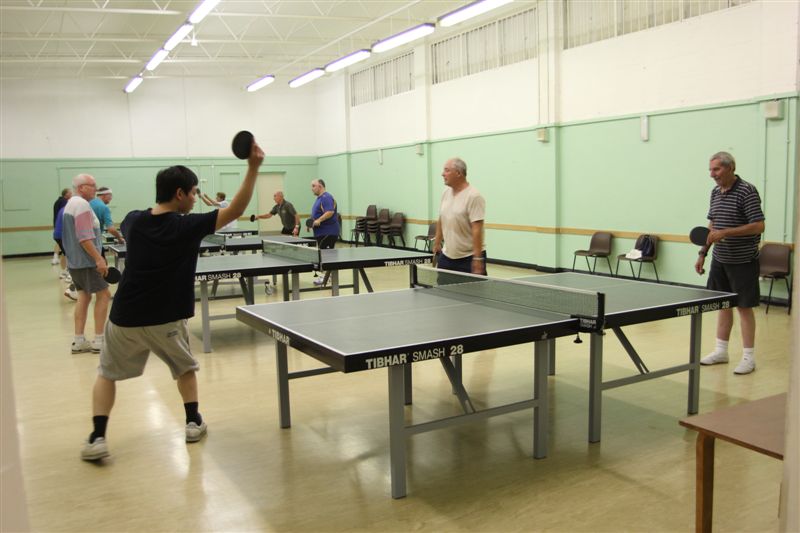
{"x":101,"y":210}
{"x":155,"y":297}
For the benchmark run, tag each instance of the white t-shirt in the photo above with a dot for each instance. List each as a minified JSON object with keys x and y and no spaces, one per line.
{"x":233,"y":223}
{"x":457,"y":212}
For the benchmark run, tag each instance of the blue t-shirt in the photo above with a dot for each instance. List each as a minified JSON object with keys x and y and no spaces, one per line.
{"x":323,"y":204}
{"x":59,"y":223}
{"x":157,"y":286}
{"x":102,"y":212}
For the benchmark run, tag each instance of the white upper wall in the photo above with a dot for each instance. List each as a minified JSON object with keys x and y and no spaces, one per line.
{"x":331,"y":113}
{"x":162,"y":118}
{"x":728,"y":55}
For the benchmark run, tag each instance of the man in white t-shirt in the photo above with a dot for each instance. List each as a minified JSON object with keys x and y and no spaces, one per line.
{"x":461,"y":214}
{"x":221,"y":203}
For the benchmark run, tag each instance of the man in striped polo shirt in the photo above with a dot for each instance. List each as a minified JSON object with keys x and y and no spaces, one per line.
{"x":736,"y":223}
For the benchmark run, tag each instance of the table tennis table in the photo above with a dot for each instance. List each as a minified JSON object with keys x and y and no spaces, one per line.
{"x":447,"y":315}
{"x":289,"y":261}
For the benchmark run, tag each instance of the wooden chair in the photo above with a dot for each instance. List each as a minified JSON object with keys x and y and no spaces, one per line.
{"x":599,"y":246}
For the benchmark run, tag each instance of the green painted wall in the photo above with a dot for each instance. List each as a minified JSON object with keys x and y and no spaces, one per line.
{"x":594,"y":175}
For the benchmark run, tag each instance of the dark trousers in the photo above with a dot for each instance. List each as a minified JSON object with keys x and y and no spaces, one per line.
{"x":459,"y":265}
{"x":325,"y":242}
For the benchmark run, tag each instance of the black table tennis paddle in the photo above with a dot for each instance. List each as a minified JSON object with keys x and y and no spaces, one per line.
{"x":242,"y":144}
{"x":113,"y":275}
{"x":252,"y":218}
{"x":309,"y":223}
{"x":699,"y":235}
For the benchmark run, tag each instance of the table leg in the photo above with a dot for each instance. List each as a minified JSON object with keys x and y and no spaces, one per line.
{"x":407,"y":383}
{"x":704,"y":483}
{"x":551,"y":348}
{"x":397,"y":438}
{"x":694,"y":361}
{"x":206,"y":319}
{"x":541,"y":354}
{"x":595,"y":386}
{"x":334,"y":282}
{"x":282,"y":365}
{"x":356,"y":287}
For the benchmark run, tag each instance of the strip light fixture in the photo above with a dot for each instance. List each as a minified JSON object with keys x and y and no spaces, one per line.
{"x":308,"y":77}
{"x":156,"y":60}
{"x":133,"y":84}
{"x":346,"y":61}
{"x":202,"y":10}
{"x":260,"y":83}
{"x":177,"y":37}
{"x":411,"y":34}
{"x":470,"y":10}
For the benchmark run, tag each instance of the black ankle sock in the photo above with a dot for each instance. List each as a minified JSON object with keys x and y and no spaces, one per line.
{"x":100,"y":423}
{"x":191,"y":413}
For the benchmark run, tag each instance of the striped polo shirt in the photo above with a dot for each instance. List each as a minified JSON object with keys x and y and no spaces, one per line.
{"x":740,"y":205}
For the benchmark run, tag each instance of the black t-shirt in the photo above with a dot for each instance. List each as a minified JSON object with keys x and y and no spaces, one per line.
{"x":158,"y":283}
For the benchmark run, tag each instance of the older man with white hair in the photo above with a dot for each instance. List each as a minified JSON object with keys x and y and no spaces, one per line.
{"x":82,"y":241}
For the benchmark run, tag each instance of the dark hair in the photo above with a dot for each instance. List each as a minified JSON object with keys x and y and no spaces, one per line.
{"x":321,"y":182}
{"x":65,"y":191}
{"x":169,"y":180}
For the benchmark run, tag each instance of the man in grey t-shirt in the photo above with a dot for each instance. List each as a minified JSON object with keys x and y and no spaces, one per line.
{"x":287,"y":213}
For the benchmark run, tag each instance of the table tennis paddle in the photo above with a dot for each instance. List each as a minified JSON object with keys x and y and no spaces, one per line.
{"x":252,"y":218}
{"x":242,"y":144}
{"x":113,"y":275}
{"x":699,"y":235}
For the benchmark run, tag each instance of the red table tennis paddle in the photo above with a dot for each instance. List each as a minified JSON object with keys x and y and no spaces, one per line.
{"x":113,"y":275}
{"x":242,"y":144}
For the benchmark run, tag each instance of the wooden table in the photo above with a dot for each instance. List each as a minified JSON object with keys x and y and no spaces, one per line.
{"x":756,"y":425}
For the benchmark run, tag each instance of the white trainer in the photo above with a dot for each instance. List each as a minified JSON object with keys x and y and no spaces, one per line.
{"x":97,"y":345}
{"x":94,"y":451}
{"x":194,"y":432}
{"x":71,"y":293}
{"x":745,"y":366}
{"x":81,"y":347}
{"x":714,"y":358}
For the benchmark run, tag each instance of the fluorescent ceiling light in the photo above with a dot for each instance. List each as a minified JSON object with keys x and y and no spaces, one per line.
{"x":306,"y":78}
{"x":260,"y":83}
{"x":346,"y":61}
{"x":133,"y":84}
{"x":202,"y":10}
{"x":470,"y":10}
{"x":402,"y":38}
{"x":156,"y":59}
{"x":177,"y":37}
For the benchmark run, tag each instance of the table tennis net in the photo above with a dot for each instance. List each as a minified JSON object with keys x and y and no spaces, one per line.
{"x":296,"y":252}
{"x":572,"y":302}
{"x":215,"y":238}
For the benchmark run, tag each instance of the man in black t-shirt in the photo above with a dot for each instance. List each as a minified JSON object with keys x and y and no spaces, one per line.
{"x":155,"y":297}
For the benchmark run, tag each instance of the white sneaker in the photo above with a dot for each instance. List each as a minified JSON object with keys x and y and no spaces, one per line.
{"x":194,"y":432}
{"x":745,"y":366}
{"x":82,"y":347}
{"x":94,"y":451}
{"x":319,"y":280}
{"x":714,"y":358}
{"x":71,"y":293}
{"x":96,"y":345}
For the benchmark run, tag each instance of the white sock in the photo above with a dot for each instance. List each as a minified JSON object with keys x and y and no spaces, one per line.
{"x":748,"y":353}
{"x":722,"y":346}
{"x":79,"y":339}
{"x":98,"y":337}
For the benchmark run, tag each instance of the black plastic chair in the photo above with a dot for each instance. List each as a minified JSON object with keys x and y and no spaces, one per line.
{"x":599,"y":246}
{"x":642,"y":260}
{"x":374,"y":226}
{"x":774,"y":262}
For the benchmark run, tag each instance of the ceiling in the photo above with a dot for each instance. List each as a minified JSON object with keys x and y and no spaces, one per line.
{"x":241,"y":39}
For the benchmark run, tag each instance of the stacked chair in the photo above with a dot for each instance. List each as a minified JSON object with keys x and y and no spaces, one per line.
{"x":393,"y":229}
{"x":374,"y":226}
{"x":360,"y":229}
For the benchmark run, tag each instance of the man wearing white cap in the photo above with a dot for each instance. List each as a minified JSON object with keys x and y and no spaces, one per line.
{"x":100,"y":207}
